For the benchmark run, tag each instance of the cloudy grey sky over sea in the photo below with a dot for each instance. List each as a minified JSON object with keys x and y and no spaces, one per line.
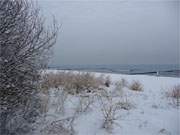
{"x":115,"y":31}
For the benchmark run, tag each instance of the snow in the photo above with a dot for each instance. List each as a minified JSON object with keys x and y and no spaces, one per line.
{"x":152,"y":113}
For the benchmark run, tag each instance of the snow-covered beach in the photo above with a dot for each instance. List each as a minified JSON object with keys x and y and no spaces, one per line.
{"x":146,"y":112}
{"x":89,"y":67}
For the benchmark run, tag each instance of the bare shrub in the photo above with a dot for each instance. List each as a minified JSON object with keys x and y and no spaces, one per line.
{"x":60,"y":101}
{"x":109,"y":116}
{"x":109,"y":110}
{"x":84,"y":103}
{"x":136,"y":86}
{"x":18,"y":123}
{"x":174,"y":93}
{"x":44,"y":101}
{"x":25,"y":42}
{"x":110,"y":107}
{"x":60,"y":127}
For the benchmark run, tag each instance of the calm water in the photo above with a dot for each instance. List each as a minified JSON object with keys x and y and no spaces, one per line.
{"x":162,"y":70}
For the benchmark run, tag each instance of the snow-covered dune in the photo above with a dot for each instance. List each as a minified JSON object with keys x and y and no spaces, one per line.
{"x":151,"y":112}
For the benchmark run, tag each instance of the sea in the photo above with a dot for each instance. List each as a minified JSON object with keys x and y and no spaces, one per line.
{"x":156,"y":70}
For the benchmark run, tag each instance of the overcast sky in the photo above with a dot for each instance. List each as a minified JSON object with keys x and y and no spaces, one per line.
{"x":115,"y":32}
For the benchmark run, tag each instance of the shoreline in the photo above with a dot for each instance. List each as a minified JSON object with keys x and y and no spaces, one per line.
{"x":155,"y":74}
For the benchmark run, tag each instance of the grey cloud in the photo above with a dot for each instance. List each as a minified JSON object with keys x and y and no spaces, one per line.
{"x":125,"y":32}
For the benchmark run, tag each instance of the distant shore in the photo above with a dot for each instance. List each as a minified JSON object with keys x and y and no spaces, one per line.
{"x":155,"y":70}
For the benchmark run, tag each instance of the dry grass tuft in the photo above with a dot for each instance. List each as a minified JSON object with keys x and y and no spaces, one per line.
{"x":174,"y":93}
{"x":72,"y":82}
{"x":136,"y":86}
